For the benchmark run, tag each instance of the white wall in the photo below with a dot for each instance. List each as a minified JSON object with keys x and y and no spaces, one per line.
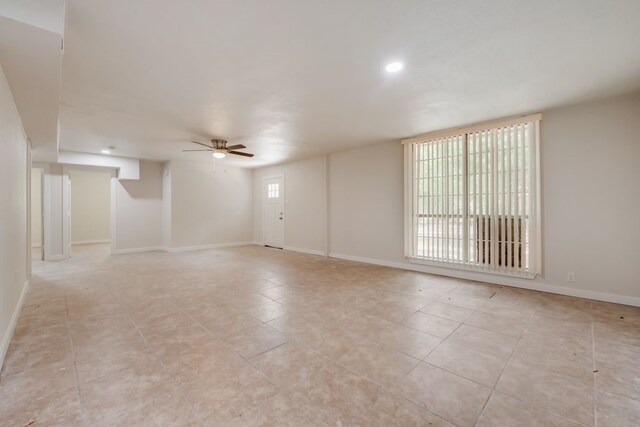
{"x":127,"y":168}
{"x":138,"y":209}
{"x":367,"y":202}
{"x":55,"y":224}
{"x":210,"y":207}
{"x":590,"y":202}
{"x":36,"y":207}
{"x":190,"y":206}
{"x":14,"y":170}
{"x":591,"y":195}
{"x":90,"y":206}
{"x":166,"y":205}
{"x":305,"y":204}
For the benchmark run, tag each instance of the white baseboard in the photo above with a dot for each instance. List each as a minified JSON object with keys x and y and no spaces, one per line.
{"x":6,"y":340}
{"x":137,"y":250}
{"x":166,"y":249}
{"x":304,"y":251}
{"x":89,"y":242}
{"x":499,"y":280}
{"x":180,"y":248}
{"x":295,"y":249}
{"x":210,"y":246}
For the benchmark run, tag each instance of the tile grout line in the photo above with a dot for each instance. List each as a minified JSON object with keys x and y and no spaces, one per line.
{"x":241,"y":356}
{"x":159,"y":360}
{"x":337,"y":362}
{"x":392,"y":389}
{"x":73,"y":355}
{"x":494,"y":392}
{"x":447,"y":337}
{"x":504,"y":368}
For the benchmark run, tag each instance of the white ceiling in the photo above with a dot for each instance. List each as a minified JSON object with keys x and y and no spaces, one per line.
{"x":31,"y":58}
{"x":292,"y":79}
{"x":44,"y":14}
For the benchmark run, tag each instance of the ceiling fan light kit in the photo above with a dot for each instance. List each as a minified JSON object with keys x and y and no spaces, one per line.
{"x":220,"y":148}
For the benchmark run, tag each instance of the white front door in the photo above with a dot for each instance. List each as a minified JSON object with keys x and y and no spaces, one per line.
{"x":273,"y":202}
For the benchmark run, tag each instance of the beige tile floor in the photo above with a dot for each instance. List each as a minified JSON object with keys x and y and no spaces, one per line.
{"x":256,"y":336}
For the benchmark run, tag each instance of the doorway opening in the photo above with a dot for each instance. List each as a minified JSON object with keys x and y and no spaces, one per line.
{"x":273,"y":211}
{"x":37,"y":214}
{"x":89,"y":213}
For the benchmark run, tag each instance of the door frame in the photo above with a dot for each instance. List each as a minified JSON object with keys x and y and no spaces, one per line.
{"x":45,"y":201}
{"x":29,"y":261}
{"x":67,"y":203}
{"x":42,"y":216}
{"x":264,"y":210}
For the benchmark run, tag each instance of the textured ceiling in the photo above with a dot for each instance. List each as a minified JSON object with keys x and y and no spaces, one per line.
{"x":291,"y":79}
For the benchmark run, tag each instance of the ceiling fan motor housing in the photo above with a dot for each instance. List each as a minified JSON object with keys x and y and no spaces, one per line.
{"x":219,"y":144}
{"x":220,"y":148}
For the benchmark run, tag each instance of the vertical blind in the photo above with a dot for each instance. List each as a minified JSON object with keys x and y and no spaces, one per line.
{"x":473,"y":197}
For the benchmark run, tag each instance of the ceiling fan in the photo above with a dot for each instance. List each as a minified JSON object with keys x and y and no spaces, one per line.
{"x":220,"y":149}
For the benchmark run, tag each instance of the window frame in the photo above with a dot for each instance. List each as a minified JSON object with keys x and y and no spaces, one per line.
{"x":411,"y":196}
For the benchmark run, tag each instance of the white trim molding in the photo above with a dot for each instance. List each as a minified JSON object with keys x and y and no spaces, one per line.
{"x":498,"y":280}
{"x":477,"y":127}
{"x":66,"y":212}
{"x":480,"y":222}
{"x":210,"y":246}
{"x":6,"y":340}
{"x":305,"y":251}
{"x":472,"y":268}
{"x":181,"y":248}
{"x":263,"y":199}
{"x":90,"y":242}
{"x":113,"y":211}
{"x":138,"y":250}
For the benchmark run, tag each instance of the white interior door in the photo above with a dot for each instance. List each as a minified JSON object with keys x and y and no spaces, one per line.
{"x":273,"y":196}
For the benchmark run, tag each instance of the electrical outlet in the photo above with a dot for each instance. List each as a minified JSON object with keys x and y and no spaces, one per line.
{"x":571,"y":277}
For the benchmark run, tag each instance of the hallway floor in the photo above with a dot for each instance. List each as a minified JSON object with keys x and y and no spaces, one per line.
{"x":257,"y":336}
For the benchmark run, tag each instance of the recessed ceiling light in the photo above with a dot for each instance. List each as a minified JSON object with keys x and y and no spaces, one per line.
{"x":105,"y":151}
{"x":394,"y":67}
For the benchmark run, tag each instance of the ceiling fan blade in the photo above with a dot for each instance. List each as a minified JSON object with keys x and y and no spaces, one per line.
{"x":204,"y":145}
{"x":198,"y":150}
{"x":236,"y":147}
{"x":240,"y":153}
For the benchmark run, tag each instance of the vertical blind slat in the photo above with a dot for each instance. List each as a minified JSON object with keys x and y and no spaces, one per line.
{"x":516,"y":200}
{"x":487,"y":206}
{"x":494,"y":200}
{"x":503,"y":212}
{"x":465,"y":194}
{"x":432,"y":197}
{"x":420,"y":193}
{"x":533,"y":159}
{"x":476,"y":198}
{"x":523,"y":201}
{"x":509,"y":234}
